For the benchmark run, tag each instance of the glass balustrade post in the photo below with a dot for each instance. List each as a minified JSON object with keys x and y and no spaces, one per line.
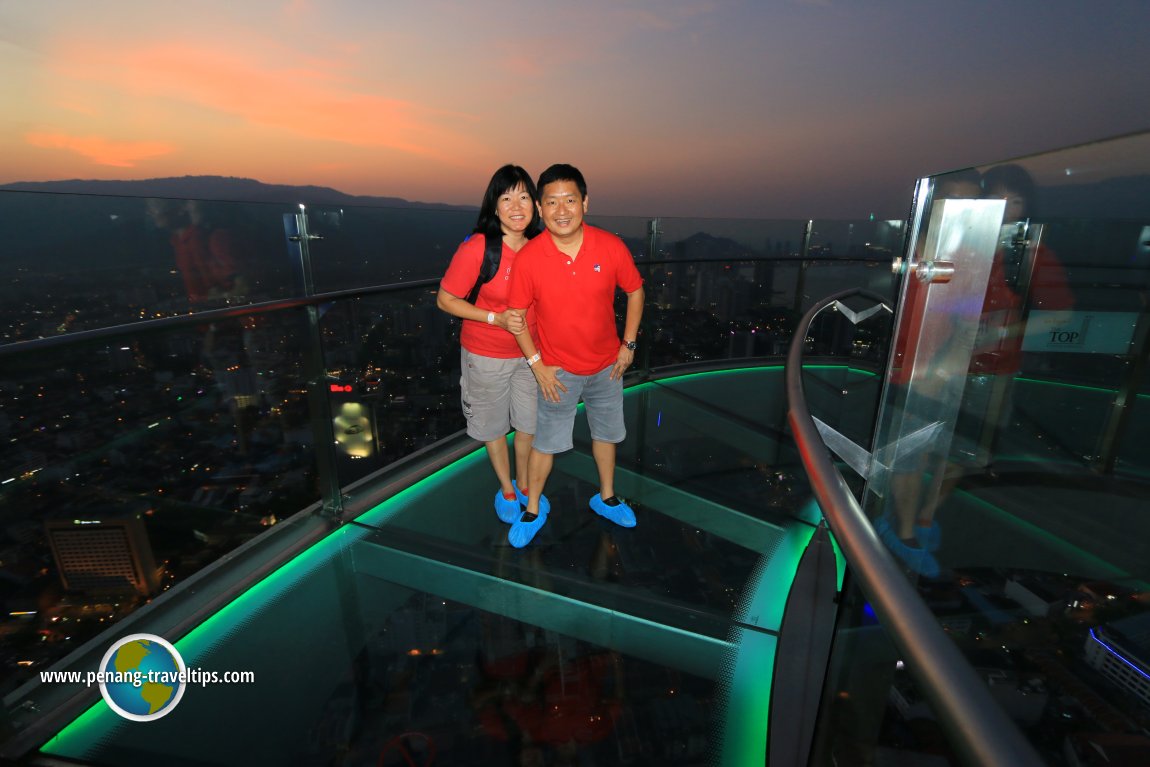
{"x":1118,"y":420}
{"x":801,"y":278}
{"x":644,"y":357}
{"x":315,"y":372}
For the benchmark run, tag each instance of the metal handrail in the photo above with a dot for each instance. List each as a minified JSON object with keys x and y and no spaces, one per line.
{"x":203,"y":317}
{"x":976,"y":724}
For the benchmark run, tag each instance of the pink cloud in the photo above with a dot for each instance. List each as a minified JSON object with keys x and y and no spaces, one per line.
{"x":308,"y":101}
{"x":102,"y":151}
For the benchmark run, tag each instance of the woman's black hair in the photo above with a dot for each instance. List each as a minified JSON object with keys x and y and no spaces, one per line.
{"x":506,"y":179}
{"x":1014,"y":178}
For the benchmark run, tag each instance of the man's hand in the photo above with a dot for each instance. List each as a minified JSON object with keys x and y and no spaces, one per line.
{"x":626,"y":357}
{"x":548,"y":382}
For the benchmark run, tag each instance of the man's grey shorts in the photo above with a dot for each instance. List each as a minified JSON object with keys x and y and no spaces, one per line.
{"x":604,"y":404}
{"x":497,"y":394}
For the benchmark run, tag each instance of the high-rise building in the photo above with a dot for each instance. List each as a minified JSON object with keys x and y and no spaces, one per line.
{"x":1120,"y":650}
{"x":104,"y":554}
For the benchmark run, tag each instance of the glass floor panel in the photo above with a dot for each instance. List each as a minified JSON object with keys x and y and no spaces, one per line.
{"x":416,"y":633}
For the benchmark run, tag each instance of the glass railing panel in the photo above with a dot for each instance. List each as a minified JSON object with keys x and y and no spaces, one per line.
{"x":392,"y":377}
{"x":168,"y":449}
{"x":634,"y":231}
{"x":709,"y":312}
{"x":823,"y":277}
{"x":716,"y":288}
{"x":706,"y":312}
{"x":727,"y":289}
{"x":870,"y":239}
{"x":1131,"y":459}
{"x":844,"y":399}
{"x":79,"y":262}
{"x":850,"y":254}
{"x":1026,"y":524}
{"x":362,"y":246}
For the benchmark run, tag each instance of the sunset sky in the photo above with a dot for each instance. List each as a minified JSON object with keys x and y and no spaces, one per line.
{"x":763,"y":108}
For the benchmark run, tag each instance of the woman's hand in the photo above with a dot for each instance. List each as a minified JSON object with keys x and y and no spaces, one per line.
{"x":512,"y":321}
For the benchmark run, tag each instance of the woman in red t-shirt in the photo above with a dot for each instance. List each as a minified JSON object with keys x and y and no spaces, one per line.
{"x":498,"y":388}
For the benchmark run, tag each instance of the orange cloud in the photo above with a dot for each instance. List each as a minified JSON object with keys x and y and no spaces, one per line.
{"x":306,"y":101}
{"x":118,"y":154}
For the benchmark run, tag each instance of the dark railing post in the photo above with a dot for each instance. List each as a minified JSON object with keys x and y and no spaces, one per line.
{"x":803,"y":651}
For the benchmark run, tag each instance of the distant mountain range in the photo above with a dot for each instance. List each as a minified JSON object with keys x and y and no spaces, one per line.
{"x":1117,"y":197}
{"x":224,"y":188}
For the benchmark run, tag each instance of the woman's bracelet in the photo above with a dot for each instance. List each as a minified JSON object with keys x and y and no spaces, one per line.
{"x":532,"y":360}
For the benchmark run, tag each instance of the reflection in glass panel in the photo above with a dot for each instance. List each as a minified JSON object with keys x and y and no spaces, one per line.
{"x":1032,"y":544}
{"x":76,"y":262}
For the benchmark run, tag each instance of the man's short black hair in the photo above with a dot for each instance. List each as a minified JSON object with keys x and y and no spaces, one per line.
{"x":562,"y":172}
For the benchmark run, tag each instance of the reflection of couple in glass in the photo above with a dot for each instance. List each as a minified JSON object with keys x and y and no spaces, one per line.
{"x":206,"y":255}
{"x":208,"y":258}
{"x":1024,"y":276}
{"x":549,"y":707}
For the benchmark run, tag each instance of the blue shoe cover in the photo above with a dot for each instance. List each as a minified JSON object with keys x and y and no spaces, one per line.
{"x":918,"y":560}
{"x":506,"y":509}
{"x":621,"y":515}
{"x":522,"y":533}
{"x":544,"y":504}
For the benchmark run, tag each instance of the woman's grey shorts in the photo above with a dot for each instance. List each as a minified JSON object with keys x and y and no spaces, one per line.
{"x":604,"y":404}
{"x":497,"y":395}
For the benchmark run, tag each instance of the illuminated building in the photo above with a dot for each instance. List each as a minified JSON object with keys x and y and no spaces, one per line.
{"x":104,"y":555}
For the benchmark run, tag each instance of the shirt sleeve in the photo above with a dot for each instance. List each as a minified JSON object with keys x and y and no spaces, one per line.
{"x":463,"y":270}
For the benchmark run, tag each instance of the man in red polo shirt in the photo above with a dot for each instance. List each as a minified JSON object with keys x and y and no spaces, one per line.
{"x":569,"y":275}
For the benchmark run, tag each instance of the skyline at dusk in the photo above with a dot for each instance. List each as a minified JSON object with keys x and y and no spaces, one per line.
{"x":804,"y":108}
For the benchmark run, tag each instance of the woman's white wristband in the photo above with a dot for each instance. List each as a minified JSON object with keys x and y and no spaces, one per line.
{"x":491,"y":318}
{"x":532,"y":360}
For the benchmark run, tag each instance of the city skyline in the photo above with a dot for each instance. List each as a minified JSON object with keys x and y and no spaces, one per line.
{"x":794,"y":109}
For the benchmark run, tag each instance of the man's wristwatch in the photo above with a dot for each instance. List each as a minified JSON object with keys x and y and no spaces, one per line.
{"x":630,"y":345}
